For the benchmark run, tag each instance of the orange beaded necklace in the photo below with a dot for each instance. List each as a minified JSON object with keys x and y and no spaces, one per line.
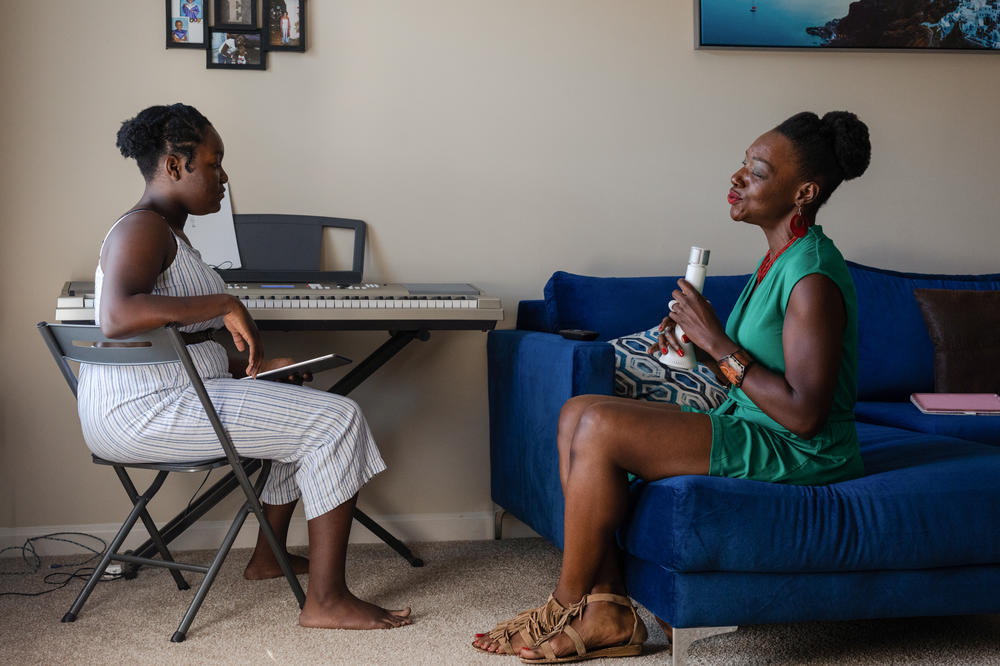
{"x":769,"y":260}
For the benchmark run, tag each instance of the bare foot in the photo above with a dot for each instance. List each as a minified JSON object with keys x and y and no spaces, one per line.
{"x":602,"y":624}
{"x":263,"y":566}
{"x":349,"y":612}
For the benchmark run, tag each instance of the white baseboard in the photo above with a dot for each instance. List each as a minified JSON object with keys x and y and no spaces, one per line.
{"x":209,"y":534}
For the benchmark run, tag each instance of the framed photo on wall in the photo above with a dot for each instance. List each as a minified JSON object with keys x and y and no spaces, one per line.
{"x":235,"y":14}
{"x":285,"y":25}
{"x":937,"y":25}
{"x":185,"y":24}
{"x":235,"y":49}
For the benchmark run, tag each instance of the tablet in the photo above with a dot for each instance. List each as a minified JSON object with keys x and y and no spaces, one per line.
{"x":313,"y":365}
{"x":957,"y":403}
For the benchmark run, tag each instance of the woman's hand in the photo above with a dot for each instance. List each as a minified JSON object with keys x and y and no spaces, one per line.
{"x":695,"y":315}
{"x":292,"y":377}
{"x":245,"y":335}
{"x":666,"y":340}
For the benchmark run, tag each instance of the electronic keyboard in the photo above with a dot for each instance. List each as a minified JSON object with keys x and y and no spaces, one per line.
{"x":324,"y":301}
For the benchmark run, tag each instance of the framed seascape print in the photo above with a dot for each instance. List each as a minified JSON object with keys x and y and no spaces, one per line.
{"x":185,"y":24}
{"x":235,"y":14}
{"x":863,"y":24}
{"x":285,"y":25}
{"x":235,"y":49}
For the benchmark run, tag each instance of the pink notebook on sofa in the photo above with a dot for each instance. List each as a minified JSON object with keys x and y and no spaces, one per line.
{"x":957,"y":403}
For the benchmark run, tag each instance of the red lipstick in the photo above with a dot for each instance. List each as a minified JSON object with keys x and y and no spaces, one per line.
{"x":732,"y":198}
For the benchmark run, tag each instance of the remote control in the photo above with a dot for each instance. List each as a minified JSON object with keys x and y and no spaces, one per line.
{"x":578,"y":334}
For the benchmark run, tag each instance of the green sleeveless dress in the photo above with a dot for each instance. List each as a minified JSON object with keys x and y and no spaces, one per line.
{"x":746,"y":442}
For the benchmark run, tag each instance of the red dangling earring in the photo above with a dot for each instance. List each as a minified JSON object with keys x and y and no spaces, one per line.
{"x":798,"y":225}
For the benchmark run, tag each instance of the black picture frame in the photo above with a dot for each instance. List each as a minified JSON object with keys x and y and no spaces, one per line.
{"x":253,"y":40}
{"x":866,"y":25}
{"x":194,"y":29}
{"x":273,"y":39}
{"x":234,"y":14}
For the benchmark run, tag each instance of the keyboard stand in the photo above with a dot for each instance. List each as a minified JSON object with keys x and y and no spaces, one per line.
{"x":362,"y":371}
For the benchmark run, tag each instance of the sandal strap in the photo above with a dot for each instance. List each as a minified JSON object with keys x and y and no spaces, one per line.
{"x":562,"y":625}
{"x":581,"y":649}
{"x":530,"y":625}
{"x":619,"y":599}
{"x":569,"y":612}
{"x":622,"y":600}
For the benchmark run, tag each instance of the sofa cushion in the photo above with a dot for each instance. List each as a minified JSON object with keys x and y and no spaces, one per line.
{"x":638,"y":375}
{"x":964,"y":326}
{"x":618,"y":306}
{"x":984,"y":429}
{"x":895,"y":354}
{"x":926,"y":501}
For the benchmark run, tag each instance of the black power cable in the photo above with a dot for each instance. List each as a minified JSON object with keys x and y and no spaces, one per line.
{"x":59,"y":579}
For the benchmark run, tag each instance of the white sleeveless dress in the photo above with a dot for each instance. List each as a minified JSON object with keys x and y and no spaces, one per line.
{"x":320,"y":442}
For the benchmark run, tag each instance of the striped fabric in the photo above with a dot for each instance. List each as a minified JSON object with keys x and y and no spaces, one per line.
{"x":320,"y":442}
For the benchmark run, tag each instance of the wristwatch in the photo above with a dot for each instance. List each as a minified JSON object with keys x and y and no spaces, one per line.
{"x":735,"y":366}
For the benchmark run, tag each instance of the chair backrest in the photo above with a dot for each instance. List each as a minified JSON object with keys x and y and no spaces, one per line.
{"x":85,"y":343}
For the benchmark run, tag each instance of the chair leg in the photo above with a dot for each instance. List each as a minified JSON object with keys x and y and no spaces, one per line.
{"x":112,"y":549}
{"x":253,"y":502}
{"x":147,"y":521}
{"x":213,"y":571}
{"x":157,"y":539}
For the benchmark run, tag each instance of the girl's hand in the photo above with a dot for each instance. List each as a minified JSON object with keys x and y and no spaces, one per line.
{"x":245,"y":335}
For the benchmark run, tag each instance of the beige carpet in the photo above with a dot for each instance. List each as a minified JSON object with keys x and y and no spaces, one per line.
{"x":464,"y":588}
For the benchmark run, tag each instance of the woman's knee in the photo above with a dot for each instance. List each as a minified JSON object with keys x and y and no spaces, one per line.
{"x":594,"y":428}
{"x":569,"y":419}
{"x":574,"y":408}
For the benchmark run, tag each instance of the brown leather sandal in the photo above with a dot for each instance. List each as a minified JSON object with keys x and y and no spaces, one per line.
{"x":530,"y":625}
{"x":630,"y":648}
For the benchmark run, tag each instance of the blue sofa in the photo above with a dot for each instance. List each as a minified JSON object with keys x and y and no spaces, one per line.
{"x":917,"y":535}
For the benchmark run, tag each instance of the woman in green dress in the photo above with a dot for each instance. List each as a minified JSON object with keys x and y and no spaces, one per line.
{"x":789,"y":351}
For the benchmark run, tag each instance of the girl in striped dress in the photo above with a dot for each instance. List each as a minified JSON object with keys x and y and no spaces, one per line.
{"x":148,"y":275}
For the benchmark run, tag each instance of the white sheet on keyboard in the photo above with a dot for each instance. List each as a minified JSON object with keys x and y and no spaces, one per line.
{"x":214,"y":235}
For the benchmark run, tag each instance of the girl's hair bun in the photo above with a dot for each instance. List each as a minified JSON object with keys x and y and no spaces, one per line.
{"x":176,"y":129}
{"x":142,"y":134}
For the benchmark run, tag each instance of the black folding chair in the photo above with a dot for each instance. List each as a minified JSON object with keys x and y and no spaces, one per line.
{"x":86,"y":344}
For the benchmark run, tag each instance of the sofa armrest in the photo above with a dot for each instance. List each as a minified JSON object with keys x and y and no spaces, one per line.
{"x":531,"y":375}
{"x":531,"y":316}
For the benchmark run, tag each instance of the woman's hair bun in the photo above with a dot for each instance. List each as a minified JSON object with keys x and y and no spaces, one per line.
{"x":851,"y":145}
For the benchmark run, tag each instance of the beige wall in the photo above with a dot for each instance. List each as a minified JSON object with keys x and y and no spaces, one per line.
{"x":490,"y":142}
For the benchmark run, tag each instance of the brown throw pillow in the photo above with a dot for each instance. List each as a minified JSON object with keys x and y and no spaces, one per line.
{"x":964,"y":326}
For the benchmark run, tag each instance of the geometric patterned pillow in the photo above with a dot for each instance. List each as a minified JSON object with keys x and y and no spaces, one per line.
{"x":639,"y":375}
